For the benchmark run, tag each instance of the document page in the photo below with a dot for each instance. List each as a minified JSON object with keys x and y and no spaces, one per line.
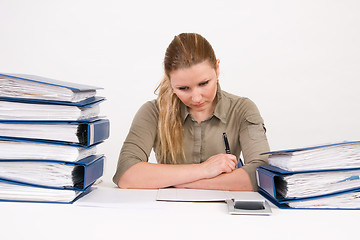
{"x":192,"y":195}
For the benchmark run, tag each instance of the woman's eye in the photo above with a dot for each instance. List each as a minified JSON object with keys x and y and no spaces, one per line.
{"x":204,"y":83}
{"x":183,"y":88}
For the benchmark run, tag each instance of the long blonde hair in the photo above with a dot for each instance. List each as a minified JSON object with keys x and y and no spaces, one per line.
{"x":185,"y":50}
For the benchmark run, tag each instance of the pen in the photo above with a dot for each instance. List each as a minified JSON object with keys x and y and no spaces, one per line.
{"x":227,"y":149}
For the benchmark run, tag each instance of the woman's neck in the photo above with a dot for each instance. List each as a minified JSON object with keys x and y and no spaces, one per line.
{"x":200,"y":116}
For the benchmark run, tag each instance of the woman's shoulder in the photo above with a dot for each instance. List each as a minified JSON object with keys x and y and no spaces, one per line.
{"x":244,"y":107}
{"x":149,"y":108}
{"x":237,"y":101}
{"x":151,"y":104}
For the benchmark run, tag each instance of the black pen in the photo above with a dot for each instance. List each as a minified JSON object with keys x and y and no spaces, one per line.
{"x":226,"y":142}
{"x":227,"y":149}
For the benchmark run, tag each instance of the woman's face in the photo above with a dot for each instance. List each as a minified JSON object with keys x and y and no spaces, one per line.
{"x":196,"y":86}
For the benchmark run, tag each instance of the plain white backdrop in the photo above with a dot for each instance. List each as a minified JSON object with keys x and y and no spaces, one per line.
{"x":299,"y":61}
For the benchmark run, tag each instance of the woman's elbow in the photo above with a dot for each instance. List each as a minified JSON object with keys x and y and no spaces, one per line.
{"x":127,"y":179}
{"x":125,"y":183}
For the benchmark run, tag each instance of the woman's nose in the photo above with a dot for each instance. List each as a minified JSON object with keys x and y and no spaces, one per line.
{"x":196,"y":96}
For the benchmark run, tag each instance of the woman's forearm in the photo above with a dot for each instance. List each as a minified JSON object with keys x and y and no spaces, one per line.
{"x":237,"y":180}
{"x":149,"y":175}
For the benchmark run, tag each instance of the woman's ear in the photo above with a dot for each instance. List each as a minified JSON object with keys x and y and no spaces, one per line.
{"x":217,"y":68}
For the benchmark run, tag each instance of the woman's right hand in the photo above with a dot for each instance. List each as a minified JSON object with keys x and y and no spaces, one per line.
{"x":218,"y":164}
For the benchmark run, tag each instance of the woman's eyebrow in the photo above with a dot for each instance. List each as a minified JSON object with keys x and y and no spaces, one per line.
{"x":178,"y":86}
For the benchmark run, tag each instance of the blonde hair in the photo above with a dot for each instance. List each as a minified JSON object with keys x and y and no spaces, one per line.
{"x":185,"y":50}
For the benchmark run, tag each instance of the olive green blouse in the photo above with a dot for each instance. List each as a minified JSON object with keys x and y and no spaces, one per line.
{"x":237,"y":116}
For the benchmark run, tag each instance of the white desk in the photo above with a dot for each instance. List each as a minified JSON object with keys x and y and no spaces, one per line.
{"x":144,"y":218}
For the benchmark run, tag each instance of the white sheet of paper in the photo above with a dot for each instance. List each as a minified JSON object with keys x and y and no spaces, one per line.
{"x":126,"y":199}
{"x":192,"y":195}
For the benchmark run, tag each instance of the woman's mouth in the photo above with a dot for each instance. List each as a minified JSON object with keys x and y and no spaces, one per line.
{"x":199,"y":105}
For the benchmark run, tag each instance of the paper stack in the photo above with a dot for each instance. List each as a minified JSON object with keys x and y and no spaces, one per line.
{"x":49,"y":132}
{"x":324,"y":176}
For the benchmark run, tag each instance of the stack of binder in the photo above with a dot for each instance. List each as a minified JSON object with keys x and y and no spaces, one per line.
{"x":49,"y":133}
{"x":318,"y":177}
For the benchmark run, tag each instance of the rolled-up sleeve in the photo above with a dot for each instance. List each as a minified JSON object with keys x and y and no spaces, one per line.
{"x":140,"y":139}
{"x":253,"y":141}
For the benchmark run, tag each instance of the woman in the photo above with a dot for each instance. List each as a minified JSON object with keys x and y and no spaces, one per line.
{"x":185,"y":127}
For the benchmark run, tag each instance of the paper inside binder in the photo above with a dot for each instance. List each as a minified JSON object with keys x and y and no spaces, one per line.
{"x":78,"y":176}
{"x":20,"y":88}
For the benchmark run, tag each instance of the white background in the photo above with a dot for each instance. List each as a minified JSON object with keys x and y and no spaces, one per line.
{"x":299,"y":61}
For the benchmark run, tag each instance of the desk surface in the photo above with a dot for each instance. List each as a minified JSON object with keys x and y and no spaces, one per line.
{"x":145,"y":218}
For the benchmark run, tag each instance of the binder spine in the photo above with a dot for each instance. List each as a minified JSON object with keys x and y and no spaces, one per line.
{"x":98,"y":131}
{"x":266,"y":181}
{"x":93,"y":171}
